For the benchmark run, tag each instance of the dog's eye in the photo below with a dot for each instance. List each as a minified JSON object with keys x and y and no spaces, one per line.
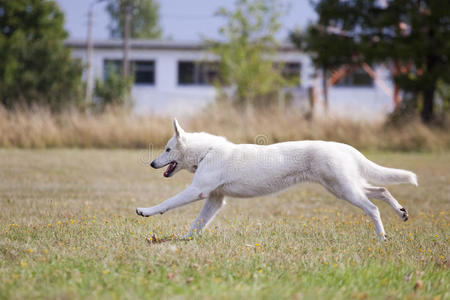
{"x":168,"y":150}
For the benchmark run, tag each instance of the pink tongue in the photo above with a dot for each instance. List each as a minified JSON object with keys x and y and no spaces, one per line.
{"x":169,"y":169}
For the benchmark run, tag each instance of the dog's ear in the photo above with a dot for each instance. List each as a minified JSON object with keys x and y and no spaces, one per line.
{"x":178,"y":130}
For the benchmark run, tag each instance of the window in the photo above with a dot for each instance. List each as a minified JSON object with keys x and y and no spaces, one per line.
{"x":197,"y":73}
{"x":357,"y":77}
{"x":291,"y":72}
{"x":142,"y":70}
{"x":111,"y":66}
{"x":206,"y":73}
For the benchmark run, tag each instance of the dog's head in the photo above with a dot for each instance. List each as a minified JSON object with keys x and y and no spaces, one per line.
{"x":174,"y":153}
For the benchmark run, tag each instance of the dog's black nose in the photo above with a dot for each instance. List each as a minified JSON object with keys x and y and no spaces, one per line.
{"x":153,"y":164}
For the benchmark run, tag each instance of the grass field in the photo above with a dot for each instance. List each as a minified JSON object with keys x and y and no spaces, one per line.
{"x":68,"y":229}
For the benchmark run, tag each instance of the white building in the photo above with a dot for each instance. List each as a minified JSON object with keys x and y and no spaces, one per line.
{"x":175,"y":77}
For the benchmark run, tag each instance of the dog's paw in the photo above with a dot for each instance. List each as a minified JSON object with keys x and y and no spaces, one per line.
{"x":404,"y":214}
{"x":382,"y":238}
{"x":140,"y":212}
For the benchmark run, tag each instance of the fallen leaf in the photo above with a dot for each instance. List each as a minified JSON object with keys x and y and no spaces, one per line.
{"x":418,"y":285}
{"x":189,"y":279}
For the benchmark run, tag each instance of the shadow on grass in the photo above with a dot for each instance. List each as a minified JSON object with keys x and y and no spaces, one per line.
{"x":154,"y":239}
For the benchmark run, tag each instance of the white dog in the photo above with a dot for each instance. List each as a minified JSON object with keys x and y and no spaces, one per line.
{"x":222,"y":168}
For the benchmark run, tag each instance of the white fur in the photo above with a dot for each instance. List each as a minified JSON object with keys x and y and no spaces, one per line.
{"x":222,"y":168}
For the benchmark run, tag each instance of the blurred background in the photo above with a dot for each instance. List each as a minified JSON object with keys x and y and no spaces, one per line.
{"x":88,"y":90}
{"x":111,"y":73}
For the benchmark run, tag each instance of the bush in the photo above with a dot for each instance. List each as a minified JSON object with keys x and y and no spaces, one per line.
{"x":115,"y":90}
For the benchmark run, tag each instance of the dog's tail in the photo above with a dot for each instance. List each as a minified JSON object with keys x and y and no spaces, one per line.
{"x":381,"y":175}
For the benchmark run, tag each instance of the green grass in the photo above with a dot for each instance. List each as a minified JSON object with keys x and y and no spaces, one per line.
{"x":68,"y":229}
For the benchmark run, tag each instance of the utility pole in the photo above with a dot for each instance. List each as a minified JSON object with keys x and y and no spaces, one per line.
{"x":90,"y":50}
{"x":89,"y":79}
{"x":126,"y":38}
{"x":325,"y":88}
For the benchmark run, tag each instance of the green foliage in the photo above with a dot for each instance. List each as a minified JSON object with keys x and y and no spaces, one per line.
{"x":115,"y":90}
{"x":413,"y":35}
{"x":143,"y":22}
{"x":36,"y":68}
{"x":328,"y":51}
{"x":249,"y":44}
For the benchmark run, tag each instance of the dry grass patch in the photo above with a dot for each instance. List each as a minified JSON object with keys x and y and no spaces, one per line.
{"x":38,"y":128}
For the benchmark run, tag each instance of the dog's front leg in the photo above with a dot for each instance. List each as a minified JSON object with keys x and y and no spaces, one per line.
{"x":187,"y":196}
{"x":209,"y":210}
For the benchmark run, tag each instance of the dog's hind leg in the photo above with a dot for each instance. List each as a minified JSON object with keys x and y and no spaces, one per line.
{"x":382,"y":193}
{"x":356,"y":196}
{"x":360,"y":199}
{"x":209,"y":210}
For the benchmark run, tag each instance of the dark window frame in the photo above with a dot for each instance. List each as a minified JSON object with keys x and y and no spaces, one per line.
{"x":204,"y":73}
{"x":133,"y":68}
{"x":149,"y":68}
{"x":288,"y":72}
{"x":349,"y":80}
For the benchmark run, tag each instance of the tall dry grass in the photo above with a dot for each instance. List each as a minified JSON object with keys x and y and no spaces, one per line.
{"x":39,"y":128}
{"x":115,"y":128}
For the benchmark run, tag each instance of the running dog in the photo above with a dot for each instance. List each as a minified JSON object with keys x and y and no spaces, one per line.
{"x":222,"y":168}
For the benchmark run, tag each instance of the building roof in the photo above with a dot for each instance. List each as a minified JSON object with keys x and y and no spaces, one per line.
{"x":154,"y":45}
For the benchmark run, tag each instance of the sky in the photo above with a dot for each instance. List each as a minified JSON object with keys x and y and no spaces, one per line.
{"x":180,"y":20}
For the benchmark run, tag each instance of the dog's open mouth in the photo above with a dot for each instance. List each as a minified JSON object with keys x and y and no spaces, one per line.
{"x":170,"y":169}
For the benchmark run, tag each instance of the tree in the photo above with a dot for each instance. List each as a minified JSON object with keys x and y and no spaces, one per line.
{"x":328,"y":51}
{"x":144,"y":18}
{"x":410,"y":36}
{"x":36,"y":68}
{"x":247,"y":48}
